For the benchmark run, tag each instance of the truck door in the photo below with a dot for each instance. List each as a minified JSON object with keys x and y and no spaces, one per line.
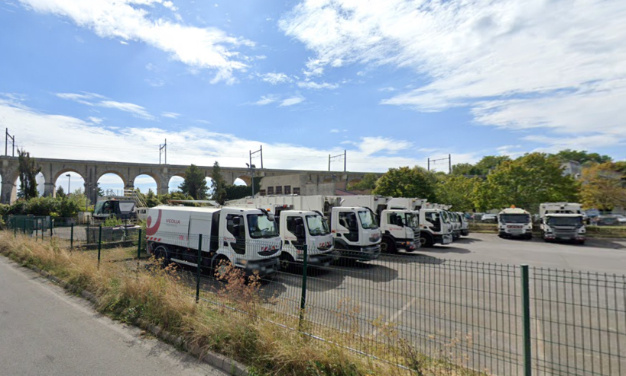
{"x":295,"y":225}
{"x":348,"y":220}
{"x":235,"y":225}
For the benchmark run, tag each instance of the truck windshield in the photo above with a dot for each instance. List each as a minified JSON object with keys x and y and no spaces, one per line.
{"x":367,"y":219}
{"x":411,"y":220}
{"x":317,"y":225}
{"x":259,"y":226}
{"x":514,"y":218}
{"x":565,"y":221}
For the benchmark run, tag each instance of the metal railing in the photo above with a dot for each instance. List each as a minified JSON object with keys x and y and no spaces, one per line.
{"x":413,"y":310}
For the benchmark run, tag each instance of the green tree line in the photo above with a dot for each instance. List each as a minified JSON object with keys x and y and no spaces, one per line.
{"x":497,"y":182}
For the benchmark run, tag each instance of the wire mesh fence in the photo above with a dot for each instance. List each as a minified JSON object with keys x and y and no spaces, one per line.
{"x":410,"y":309}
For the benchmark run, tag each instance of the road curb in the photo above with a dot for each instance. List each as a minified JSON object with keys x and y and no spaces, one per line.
{"x":219,"y":361}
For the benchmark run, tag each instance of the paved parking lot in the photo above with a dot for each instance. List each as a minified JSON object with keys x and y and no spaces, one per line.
{"x":597,"y":255}
{"x":469,"y":293}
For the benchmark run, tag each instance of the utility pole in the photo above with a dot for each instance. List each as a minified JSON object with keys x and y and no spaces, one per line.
{"x":260,"y":151}
{"x":449,"y":158}
{"x":163,"y":148}
{"x":6,"y":143}
{"x":344,"y":155}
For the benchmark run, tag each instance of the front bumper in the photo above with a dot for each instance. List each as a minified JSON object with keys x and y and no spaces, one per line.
{"x":262,"y":267}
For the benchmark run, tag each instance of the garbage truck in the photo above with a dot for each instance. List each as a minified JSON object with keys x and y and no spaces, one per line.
{"x":297,"y":229}
{"x":354,"y":231}
{"x":246,"y":238}
{"x":399,"y":227}
{"x":434,"y":222}
{"x":562,"y":221}
{"x":515,"y":223}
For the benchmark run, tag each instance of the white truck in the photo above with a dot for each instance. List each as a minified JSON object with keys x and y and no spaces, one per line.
{"x":562,"y":221}
{"x":435,"y":226}
{"x":515,"y":223}
{"x":354,"y":231}
{"x":245,"y":238}
{"x":399,"y":227}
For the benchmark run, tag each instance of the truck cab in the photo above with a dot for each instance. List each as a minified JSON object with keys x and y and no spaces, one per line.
{"x":300,"y":228}
{"x":515,"y":223}
{"x":397,"y":226}
{"x":355,"y":232}
{"x":562,"y":221}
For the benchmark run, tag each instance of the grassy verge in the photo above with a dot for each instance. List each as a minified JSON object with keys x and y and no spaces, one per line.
{"x":130,"y":293}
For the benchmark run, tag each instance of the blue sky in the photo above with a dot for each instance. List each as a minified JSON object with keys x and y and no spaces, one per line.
{"x":392,"y":82}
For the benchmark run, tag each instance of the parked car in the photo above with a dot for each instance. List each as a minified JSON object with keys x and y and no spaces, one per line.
{"x":489,"y":218}
{"x":611,"y":220}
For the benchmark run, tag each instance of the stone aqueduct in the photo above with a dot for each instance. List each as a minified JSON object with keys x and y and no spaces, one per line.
{"x":91,"y":171}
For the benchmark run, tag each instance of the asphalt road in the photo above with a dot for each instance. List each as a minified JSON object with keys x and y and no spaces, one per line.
{"x":43,"y":331}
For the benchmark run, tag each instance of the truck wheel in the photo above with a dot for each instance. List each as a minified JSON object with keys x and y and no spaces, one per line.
{"x":221,"y":267}
{"x":162,"y":255}
{"x":286,"y":261}
{"x":426,"y":241}
{"x":388,"y":246}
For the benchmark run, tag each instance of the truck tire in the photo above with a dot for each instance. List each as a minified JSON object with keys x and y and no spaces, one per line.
{"x":161,"y":253}
{"x":426,"y":240}
{"x":388,"y":246}
{"x":286,"y":261}
{"x":221,"y":265}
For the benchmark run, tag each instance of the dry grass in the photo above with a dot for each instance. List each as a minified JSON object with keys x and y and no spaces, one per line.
{"x":158,"y":296}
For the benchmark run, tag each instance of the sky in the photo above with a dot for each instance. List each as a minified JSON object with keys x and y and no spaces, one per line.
{"x":392,"y":82}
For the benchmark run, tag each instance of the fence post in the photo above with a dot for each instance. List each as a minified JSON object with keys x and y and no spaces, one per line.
{"x":35,"y":221}
{"x":526,"y":317}
{"x":71,"y":237}
{"x":24,"y":226}
{"x":139,"y":245}
{"x":303,"y":296}
{"x":51,"y":220}
{"x":198,"y":268}
{"x":99,"y":243}
{"x":43,"y":232}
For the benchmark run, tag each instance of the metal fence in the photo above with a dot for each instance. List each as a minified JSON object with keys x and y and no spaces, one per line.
{"x":415,"y":310}
{"x":80,"y":237}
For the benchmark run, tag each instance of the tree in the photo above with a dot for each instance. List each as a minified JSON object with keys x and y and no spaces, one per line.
{"x":219,"y":184}
{"x":526,"y":182}
{"x":367,"y":183}
{"x":60,"y":192}
{"x":28,"y":173}
{"x":407,"y":182}
{"x":458,"y":191}
{"x":582,"y":157}
{"x":465,"y":169}
{"x":194,"y":184}
{"x":602,"y":187}
{"x":152,"y":199}
{"x":490,"y":163}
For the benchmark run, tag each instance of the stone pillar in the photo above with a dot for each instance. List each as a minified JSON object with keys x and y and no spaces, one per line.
{"x":7,"y":191}
{"x":91,"y":191}
{"x":48,"y":189}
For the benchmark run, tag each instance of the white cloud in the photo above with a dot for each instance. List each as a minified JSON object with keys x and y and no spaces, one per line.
{"x":65,"y":137}
{"x":291,"y":101}
{"x":132,"y":108}
{"x":95,"y":120}
{"x":171,"y":115}
{"x":515,"y":64}
{"x":275,"y":78}
{"x":315,"y":85}
{"x":92,"y":99}
{"x":204,"y":48}
{"x":265,"y":100}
